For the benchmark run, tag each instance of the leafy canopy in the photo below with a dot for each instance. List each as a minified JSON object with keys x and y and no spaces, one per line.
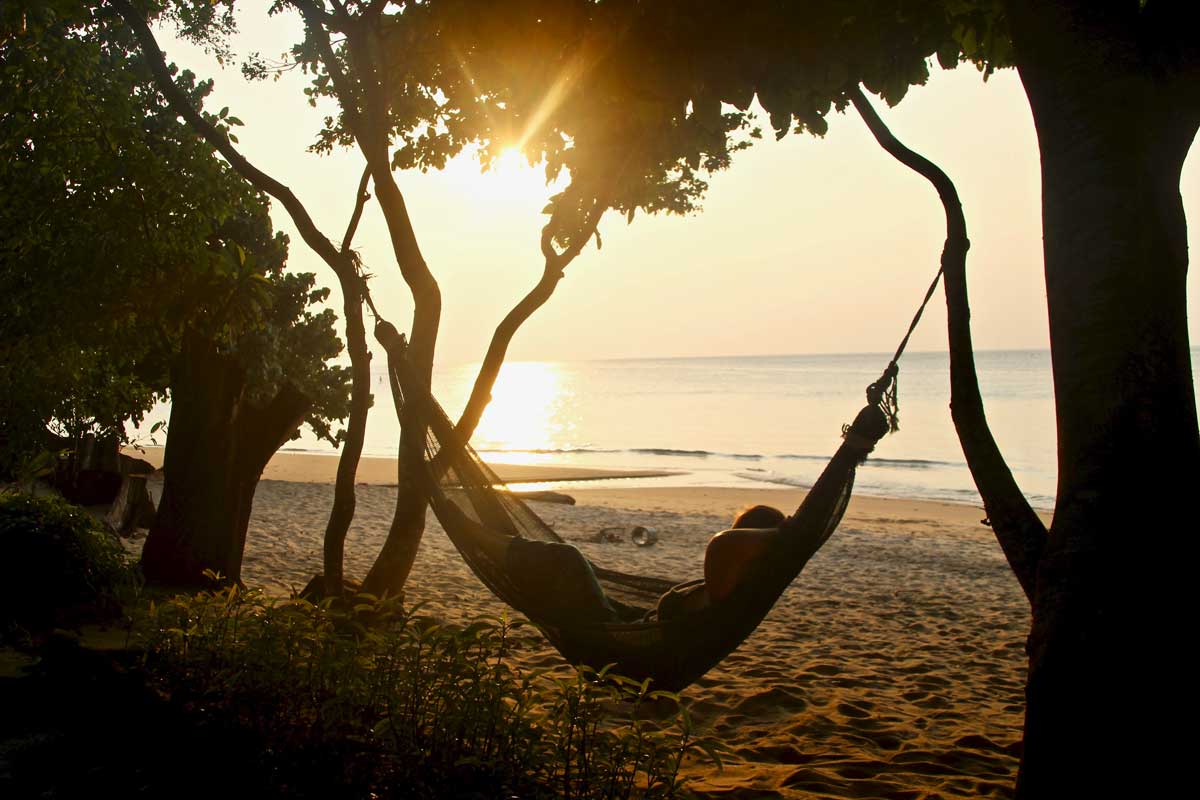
{"x":635,"y":101}
{"x":119,"y":231}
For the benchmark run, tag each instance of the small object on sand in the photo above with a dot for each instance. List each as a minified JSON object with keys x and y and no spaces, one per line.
{"x":608,"y":535}
{"x":643,"y":537}
{"x":546,"y":497}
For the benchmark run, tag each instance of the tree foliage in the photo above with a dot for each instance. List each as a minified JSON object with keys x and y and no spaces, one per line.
{"x":119,"y":232}
{"x":72,"y":569}
{"x":636,"y":102}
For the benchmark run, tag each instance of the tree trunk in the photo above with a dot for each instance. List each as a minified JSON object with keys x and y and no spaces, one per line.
{"x":344,"y":501}
{"x":217,"y":447}
{"x":1107,"y":606}
{"x":391,"y":569}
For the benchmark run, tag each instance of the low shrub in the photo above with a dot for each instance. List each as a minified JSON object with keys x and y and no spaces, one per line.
{"x":374,"y":701}
{"x":64,"y":567}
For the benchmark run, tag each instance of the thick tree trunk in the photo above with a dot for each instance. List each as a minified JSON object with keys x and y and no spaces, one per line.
{"x":217,"y":447}
{"x":1106,"y":648}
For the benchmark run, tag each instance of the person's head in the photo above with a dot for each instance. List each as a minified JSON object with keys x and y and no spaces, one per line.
{"x":759,"y":517}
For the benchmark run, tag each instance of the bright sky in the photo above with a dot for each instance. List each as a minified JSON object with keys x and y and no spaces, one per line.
{"x":804,"y":246}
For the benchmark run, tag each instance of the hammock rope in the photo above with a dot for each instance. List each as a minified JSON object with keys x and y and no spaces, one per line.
{"x":885,"y":391}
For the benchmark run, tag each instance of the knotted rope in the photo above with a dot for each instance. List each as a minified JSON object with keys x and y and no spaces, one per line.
{"x":884,"y":392}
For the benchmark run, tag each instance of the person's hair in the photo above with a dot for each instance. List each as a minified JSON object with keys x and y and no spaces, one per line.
{"x":759,"y":517}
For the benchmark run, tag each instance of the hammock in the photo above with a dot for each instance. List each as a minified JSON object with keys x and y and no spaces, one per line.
{"x":473,"y":509}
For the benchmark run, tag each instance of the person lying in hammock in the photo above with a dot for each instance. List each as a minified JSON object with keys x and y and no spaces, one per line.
{"x":557,"y":576}
{"x":727,"y":559}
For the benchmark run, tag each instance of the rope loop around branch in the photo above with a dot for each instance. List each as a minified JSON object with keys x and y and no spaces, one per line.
{"x":883,"y":394}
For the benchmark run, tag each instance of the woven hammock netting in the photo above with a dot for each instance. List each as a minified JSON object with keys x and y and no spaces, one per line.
{"x":474,"y":508}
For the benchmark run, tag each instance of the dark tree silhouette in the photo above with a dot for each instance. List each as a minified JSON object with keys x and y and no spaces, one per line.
{"x":153,"y":268}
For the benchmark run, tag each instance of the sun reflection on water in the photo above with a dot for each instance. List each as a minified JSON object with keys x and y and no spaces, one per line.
{"x":527,"y":413}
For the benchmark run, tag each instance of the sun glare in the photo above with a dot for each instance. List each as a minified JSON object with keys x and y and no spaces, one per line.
{"x":525,"y":411}
{"x":511,"y":176}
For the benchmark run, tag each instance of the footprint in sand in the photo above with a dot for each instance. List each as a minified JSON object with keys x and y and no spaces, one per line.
{"x":859,"y":710}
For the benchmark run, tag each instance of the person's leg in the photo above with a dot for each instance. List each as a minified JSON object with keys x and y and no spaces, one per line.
{"x":560,"y":579}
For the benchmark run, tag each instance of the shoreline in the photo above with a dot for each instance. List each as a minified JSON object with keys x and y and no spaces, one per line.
{"x":321,"y":468}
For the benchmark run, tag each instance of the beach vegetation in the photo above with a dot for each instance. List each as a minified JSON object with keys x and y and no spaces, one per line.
{"x":67,"y":568}
{"x":365,"y":698}
{"x":152,"y":270}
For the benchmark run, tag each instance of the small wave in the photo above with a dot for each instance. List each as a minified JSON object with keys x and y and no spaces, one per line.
{"x":912,"y":463}
{"x":545,"y":450}
{"x":667,"y":451}
{"x":782,"y":480}
{"x":800,"y":457}
{"x":674,"y":452}
{"x":317,"y":451}
{"x":902,"y":463}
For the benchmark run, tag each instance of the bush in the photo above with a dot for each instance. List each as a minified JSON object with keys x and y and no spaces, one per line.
{"x":376,"y":702}
{"x":64,"y":567}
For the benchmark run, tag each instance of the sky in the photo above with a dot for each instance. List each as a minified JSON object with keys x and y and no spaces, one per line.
{"x":804,"y":245}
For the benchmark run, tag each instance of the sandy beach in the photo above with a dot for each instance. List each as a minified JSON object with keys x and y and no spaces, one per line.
{"x":892,"y":668}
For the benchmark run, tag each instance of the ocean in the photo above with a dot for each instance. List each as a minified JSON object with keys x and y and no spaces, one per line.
{"x":737,"y":421}
{"x":745,"y":420}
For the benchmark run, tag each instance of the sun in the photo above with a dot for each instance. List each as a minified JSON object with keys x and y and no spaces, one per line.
{"x":512,"y":174}
{"x":508,"y":181}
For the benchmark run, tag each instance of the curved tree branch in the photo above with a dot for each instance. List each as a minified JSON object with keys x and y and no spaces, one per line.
{"x":372,"y":137}
{"x":552,"y":273}
{"x":360,"y":202}
{"x":1018,"y":528}
{"x":182,"y":105}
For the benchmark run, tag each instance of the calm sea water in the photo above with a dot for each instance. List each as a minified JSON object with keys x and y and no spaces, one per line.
{"x":770,"y":420}
{"x":749,"y":420}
